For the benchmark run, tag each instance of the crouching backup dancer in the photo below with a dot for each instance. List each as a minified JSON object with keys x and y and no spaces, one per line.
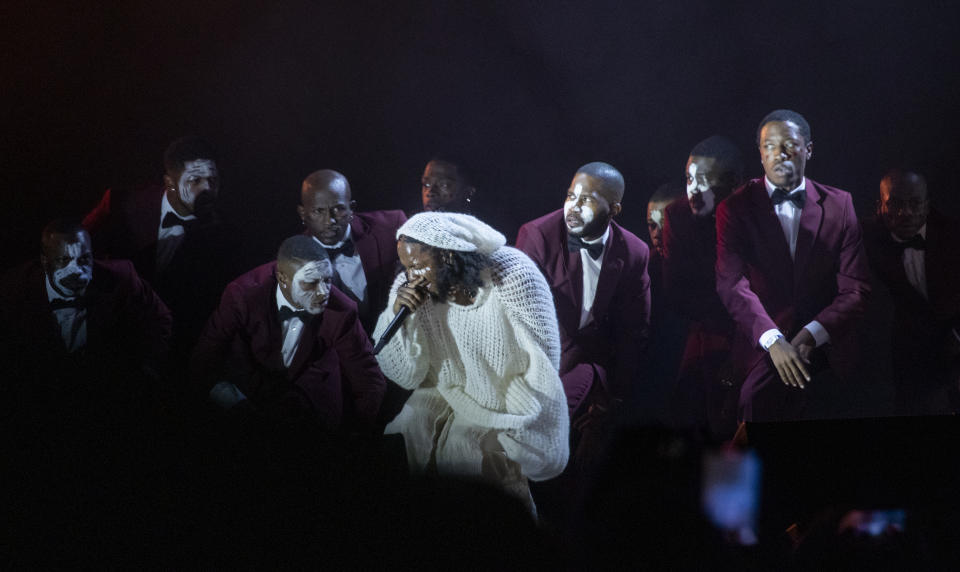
{"x":481,"y":350}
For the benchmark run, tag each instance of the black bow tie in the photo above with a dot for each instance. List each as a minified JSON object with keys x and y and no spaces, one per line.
{"x":797,"y":197}
{"x":575,"y":243}
{"x":171,"y":219}
{"x":286,"y":312}
{"x":917,"y":242}
{"x":61,"y":303}
{"x":345,"y":249}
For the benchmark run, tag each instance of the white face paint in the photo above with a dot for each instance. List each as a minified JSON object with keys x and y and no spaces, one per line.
{"x":657,"y":217}
{"x":73,"y":278}
{"x":198,"y":176}
{"x":577,"y":215}
{"x":310,"y":287}
{"x":700,"y":195}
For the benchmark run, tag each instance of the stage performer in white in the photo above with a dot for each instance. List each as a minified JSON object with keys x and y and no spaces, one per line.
{"x":481,"y":350}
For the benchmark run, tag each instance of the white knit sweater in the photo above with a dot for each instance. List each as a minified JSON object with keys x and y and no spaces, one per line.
{"x":494,"y":363}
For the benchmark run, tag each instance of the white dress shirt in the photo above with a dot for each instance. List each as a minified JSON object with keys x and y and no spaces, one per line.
{"x":72,"y":321}
{"x":168,"y":239}
{"x":914,"y":264}
{"x":292,"y":331}
{"x":349,"y":269}
{"x":789,"y":216}
{"x":591,"y":275}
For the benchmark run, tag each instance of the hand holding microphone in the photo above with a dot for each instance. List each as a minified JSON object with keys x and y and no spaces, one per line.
{"x":410,"y":296}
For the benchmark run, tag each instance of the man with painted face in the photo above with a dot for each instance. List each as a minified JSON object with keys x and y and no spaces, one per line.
{"x":705,"y":395}
{"x":288,"y":345}
{"x":447,"y":185}
{"x":791,"y":271}
{"x":597,"y":271}
{"x":174,"y":236}
{"x":361,"y":245}
{"x":663,"y":196}
{"x":80,"y":335}
{"x":913,"y":251}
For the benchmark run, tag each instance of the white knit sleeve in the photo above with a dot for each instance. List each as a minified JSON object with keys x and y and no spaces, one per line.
{"x":541,"y":446}
{"x":406,"y":358}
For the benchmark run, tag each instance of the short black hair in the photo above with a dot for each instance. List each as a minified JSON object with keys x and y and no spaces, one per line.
{"x":65,"y":226}
{"x":466,"y":174}
{"x":459,"y":269}
{"x":189,"y":148}
{"x":724,"y":151}
{"x":786,"y":115}
{"x":301,"y":247}
{"x":666,"y":192}
{"x":608,"y":174}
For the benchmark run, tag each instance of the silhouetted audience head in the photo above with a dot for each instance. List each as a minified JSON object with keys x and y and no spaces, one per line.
{"x":326,"y":206}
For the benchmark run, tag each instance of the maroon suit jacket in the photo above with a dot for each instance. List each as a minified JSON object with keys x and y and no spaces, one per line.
{"x":333,"y":375}
{"x":614,"y":343}
{"x":374,"y":236}
{"x":763,"y":288}
{"x":128,"y":327}
{"x":921,"y":325}
{"x":125,"y":224}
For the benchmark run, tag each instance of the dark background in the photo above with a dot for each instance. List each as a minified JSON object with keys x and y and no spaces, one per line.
{"x":93,"y":92}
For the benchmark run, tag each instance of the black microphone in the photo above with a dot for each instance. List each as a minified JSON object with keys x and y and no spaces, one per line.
{"x":392,"y":328}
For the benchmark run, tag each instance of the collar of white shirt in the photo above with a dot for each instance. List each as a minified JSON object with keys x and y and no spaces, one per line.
{"x":53,"y":294}
{"x":346,"y":237}
{"x":602,"y":239}
{"x":771,"y":187}
{"x":922,"y":232}
{"x":282,"y":301}
{"x":166,"y":207}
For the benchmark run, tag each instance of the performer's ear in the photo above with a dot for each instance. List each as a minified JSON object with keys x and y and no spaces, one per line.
{"x":615,"y":209}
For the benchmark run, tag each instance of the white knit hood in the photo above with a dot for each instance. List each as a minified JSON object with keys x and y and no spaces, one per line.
{"x":452,"y":231}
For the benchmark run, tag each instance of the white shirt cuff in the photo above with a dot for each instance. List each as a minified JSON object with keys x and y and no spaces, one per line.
{"x":819,"y":333}
{"x":768,"y":338}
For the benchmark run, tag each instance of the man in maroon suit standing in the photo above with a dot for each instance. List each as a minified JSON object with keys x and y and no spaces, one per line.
{"x":361,"y":245}
{"x":287,"y":345}
{"x":705,"y":396}
{"x":913,"y":250}
{"x":791,"y":271}
{"x":174,"y":236}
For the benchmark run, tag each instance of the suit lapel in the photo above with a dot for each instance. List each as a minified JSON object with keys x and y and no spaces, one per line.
{"x":811,"y":221}
{"x":304,"y":348}
{"x":365,"y":246}
{"x":609,"y":273}
{"x":772,"y":248}
{"x":570,"y":285}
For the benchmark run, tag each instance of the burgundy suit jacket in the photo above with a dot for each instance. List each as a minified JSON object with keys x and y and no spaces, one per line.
{"x":921,"y":325}
{"x":125,"y":224}
{"x":763,"y":288}
{"x":614,"y":343}
{"x":128,"y":327}
{"x":374,"y":235}
{"x":333,"y":375}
